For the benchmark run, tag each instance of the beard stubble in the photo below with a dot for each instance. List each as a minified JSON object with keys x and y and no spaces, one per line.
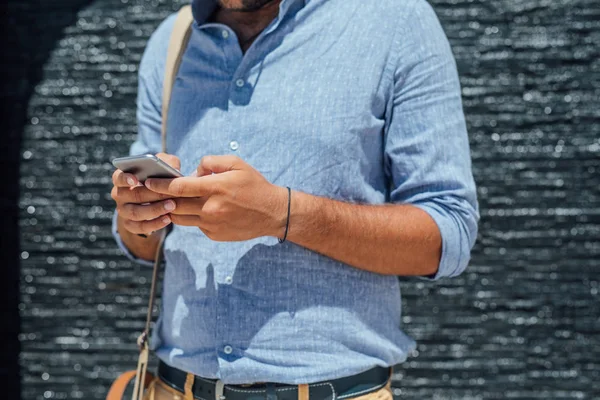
{"x":244,"y":5}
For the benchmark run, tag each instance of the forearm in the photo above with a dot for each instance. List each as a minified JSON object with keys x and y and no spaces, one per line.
{"x":144,"y":248}
{"x":390,"y":239}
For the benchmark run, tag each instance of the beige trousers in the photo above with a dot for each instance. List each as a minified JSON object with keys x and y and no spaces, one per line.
{"x":158,"y":390}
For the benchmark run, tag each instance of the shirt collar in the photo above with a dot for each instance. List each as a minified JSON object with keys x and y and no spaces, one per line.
{"x":202,"y":9}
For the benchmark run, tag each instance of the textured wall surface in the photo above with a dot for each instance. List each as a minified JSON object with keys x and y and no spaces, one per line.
{"x":523,"y":322}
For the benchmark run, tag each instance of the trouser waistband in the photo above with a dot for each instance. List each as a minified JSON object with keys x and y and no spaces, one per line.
{"x":214,"y":389}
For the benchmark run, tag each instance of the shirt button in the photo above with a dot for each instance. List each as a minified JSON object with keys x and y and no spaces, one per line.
{"x":228,"y":280}
{"x":233,"y":145}
{"x":240,"y":83}
{"x":227,"y":349}
{"x":225,"y":34}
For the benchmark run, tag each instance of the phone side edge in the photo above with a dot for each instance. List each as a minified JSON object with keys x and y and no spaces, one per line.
{"x":168,"y":167}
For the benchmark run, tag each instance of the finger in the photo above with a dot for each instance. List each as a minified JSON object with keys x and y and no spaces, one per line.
{"x":204,"y":167}
{"x":146,"y":227}
{"x":192,"y":220}
{"x":201,"y":172}
{"x":186,"y":186}
{"x":124,"y":179}
{"x":186,"y":220}
{"x":218,"y":164}
{"x":148,"y":212}
{"x":137,"y":195}
{"x":170,"y":159}
{"x":189,"y":205}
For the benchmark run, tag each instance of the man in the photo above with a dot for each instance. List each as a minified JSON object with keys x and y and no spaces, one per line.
{"x":353,"y":105}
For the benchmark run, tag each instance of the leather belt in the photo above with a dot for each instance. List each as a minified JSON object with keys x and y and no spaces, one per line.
{"x":341,"y":388}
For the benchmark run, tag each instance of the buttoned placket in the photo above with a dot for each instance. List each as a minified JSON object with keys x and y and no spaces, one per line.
{"x":237,"y":64}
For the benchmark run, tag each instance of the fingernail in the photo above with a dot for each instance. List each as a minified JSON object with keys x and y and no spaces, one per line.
{"x":130,"y":181}
{"x":147,"y":183}
{"x":195,"y":173}
{"x":170,"y":205}
{"x":166,"y":220}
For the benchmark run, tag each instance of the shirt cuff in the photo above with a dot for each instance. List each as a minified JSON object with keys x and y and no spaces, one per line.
{"x":453,"y":262}
{"x":124,"y":248}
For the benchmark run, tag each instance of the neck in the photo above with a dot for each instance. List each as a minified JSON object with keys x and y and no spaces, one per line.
{"x":247,"y":24}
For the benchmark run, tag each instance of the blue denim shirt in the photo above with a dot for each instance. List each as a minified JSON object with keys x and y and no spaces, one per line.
{"x":348,"y":99}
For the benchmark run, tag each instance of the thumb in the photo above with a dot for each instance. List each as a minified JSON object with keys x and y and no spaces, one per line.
{"x":218,"y":164}
{"x":170,"y":159}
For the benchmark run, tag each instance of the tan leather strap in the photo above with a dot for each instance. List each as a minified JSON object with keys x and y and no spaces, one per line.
{"x":189,"y":382}
{"x":117,"y":389}
{"x":180,"y":37}
{"x":177,"y":45}
{"x":303,"y":391}
{"x":138,"y":389}
{"x":144,"y":337}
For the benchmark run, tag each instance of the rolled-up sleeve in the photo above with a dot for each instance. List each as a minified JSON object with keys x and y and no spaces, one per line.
{"x":148,"y":114}
{"x":427,"y":154}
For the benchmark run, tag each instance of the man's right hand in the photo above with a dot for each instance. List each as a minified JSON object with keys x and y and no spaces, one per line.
{"x":140,"y":210}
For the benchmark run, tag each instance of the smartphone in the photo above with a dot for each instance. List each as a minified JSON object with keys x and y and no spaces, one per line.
{"x":146,"y":166}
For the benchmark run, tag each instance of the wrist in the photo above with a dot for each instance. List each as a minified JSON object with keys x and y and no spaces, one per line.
{"x":280,"y":212}
{"x":122,"y":230}
{"x":149,"y":234}
{"x":308,"y":218}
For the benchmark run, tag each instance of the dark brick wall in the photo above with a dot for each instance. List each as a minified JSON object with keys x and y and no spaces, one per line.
{"x":522,"y":322}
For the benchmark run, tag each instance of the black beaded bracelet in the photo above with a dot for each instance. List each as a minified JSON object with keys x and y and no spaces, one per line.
{"x":287,"y":223}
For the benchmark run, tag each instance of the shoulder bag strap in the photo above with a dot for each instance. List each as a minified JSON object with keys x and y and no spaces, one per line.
{"x":180,"y":37}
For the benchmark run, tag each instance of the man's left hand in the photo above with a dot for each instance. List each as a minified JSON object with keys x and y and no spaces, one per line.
{"x":228,"y":200}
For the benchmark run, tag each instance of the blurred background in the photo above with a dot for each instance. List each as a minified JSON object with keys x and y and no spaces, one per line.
{"x":523,"y":321}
